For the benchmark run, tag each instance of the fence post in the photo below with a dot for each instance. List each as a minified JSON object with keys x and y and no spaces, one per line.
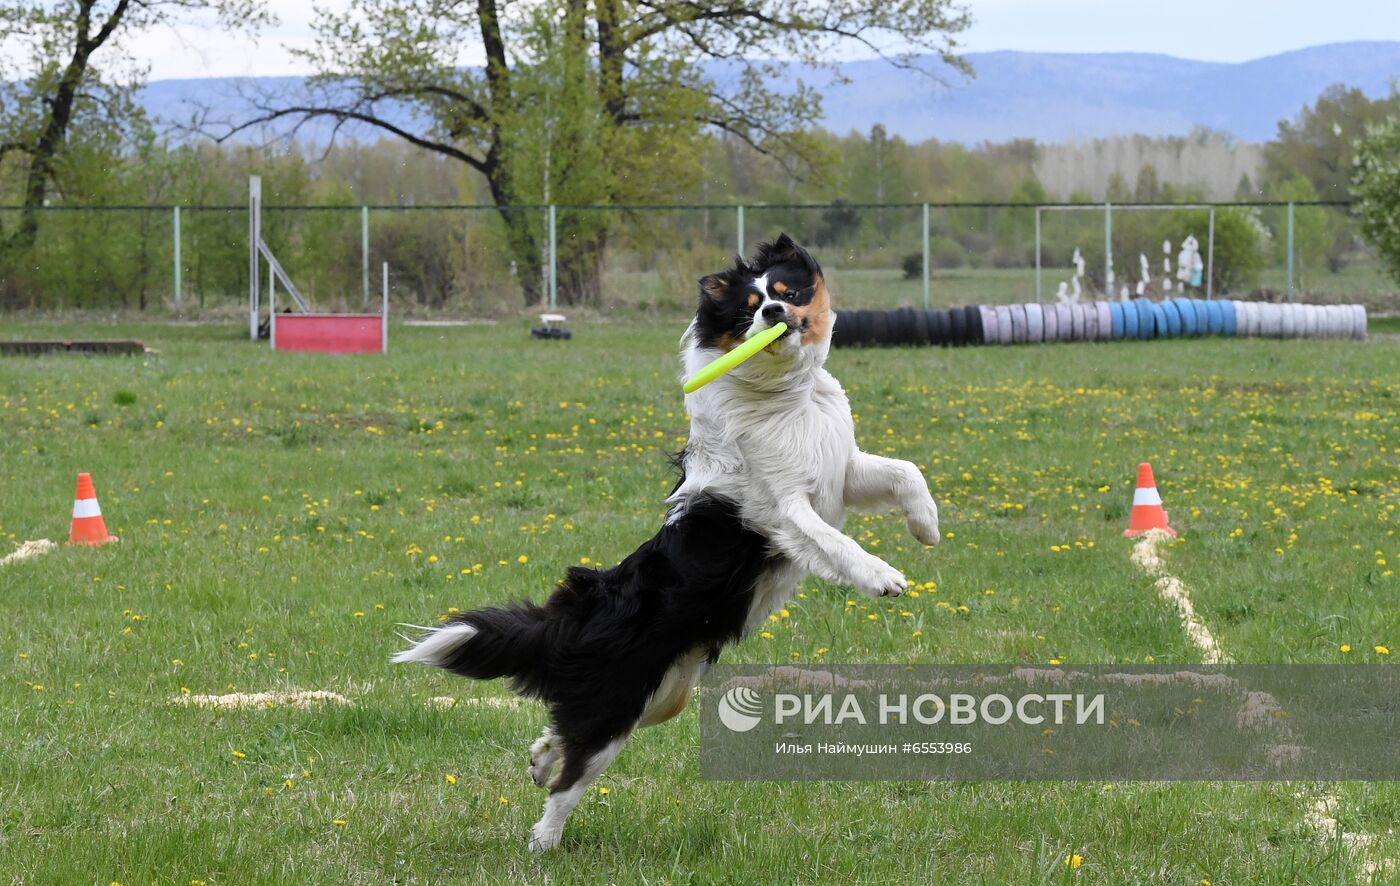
{"x":1210,"y":256}
{"x":254,"y":237}
{"x":1037,"y":253}
{"x":926,"y":256}
{"x":553,"y":262}
{"x":177,"y":257}
{"x":364,"y":257}
{"x":739,"y":238}
{"x":1290,"y":251}
{"x":1107,"y":249}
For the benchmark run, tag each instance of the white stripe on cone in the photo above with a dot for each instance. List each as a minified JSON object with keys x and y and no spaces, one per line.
{"x":1147,"y":496}
{"x":86,"y":507}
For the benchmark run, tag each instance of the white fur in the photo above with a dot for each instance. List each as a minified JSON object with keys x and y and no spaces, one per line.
{"x":775,"y":434}
{"x":543,"y":755}
{"x":433,"y":648}
{"x":547,"y":831}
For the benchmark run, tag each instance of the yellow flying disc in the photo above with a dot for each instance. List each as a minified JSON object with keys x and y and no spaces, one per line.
{"x":728,"y":361}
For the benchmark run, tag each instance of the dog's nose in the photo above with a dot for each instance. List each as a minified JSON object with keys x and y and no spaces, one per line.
{"x":774,"y":312}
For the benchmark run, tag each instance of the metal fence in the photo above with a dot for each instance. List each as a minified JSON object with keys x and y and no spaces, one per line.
{"x":489,"y":261}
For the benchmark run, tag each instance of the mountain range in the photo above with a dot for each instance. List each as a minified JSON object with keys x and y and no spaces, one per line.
{"x":1049,"y":97}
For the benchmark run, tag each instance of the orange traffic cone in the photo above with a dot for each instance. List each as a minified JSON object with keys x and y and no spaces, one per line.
{"x":88,"y":526}
{"x":1147,"y":506}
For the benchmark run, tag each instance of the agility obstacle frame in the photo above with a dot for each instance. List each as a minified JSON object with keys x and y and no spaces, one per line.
{"x":305,"y":331}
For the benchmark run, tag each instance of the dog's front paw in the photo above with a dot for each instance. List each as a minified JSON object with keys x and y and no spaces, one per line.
{"x":923,"y":524}
{"x":882,"y":580}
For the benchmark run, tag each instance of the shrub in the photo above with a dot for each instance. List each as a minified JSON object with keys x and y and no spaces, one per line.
{"x":913,"y":265}
{"x":1376,"y":187}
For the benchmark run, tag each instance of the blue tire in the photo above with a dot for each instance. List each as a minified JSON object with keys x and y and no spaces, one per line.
{"x":1160,"y":329}
{"x":1215,"y":318}
{"x":1115,"y":314}
{"x":1173,"y":318}
{"x":1202,"y":316}
{"x":1187,"y":311}
{"x":1147,"y":320}
{"x":1130,"y":320}
{"x":1229,"y":319}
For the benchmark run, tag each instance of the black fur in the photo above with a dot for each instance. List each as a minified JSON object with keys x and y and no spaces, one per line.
{"x":599,"y":647}
{"x":724,"y":308}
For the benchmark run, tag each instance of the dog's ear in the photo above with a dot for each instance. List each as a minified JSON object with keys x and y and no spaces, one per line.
{"x":783,"y":247}
{"x":714,"y":286}
{"x":780,"y":250}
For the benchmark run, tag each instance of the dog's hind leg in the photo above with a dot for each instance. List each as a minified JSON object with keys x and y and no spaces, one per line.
{"x":543,"y":754}
{"x":580,"y":767}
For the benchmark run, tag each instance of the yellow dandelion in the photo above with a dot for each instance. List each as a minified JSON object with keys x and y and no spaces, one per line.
{"x":1073,"y":861}
{"x":451,"y":779}
{"x":522,"y":559}
{"x":1382,"y":650}
{"x":603,"y":791}
{"x":1345,"y":647}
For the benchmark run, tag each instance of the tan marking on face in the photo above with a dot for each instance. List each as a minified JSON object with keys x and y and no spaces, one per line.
{"x":753,"y":300}
{"x":727,"y":342}
{"x":779,"y":287}
{"x":814,"y":318}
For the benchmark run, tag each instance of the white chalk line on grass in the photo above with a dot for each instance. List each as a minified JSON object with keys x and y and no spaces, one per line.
{"x":1174,"y":592}
{"x":28,"y":551}
{"x":1318,"y":807}
{"x":298,"y":698}
{"x":303,"y":698}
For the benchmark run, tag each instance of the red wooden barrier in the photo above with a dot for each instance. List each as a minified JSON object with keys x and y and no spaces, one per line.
{"x":330,"y":333}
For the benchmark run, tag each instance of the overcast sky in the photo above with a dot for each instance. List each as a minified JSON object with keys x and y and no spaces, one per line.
{"x":1212,"y":30}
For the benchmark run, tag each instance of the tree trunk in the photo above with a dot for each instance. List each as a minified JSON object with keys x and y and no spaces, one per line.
{"x":581,"y":266}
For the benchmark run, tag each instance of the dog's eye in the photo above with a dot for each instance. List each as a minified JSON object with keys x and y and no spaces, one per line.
{"x":798,"y":297}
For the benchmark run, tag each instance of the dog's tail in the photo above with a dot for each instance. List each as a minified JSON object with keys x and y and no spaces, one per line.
{"x":485,"y":644}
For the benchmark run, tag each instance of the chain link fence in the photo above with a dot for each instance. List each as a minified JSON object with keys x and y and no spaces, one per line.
{"x":484,"y":261}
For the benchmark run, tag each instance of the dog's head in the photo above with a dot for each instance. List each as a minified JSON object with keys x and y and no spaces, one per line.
{"x":782,"y":282}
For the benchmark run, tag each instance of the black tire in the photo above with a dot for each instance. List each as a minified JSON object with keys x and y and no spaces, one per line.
{"x":880,"y":328}
{"x":975,"y":332}
{"x":867,"y":328}
{"x":923,"y":327}
{"x":945,"y":326}
{"x":898,"y":325}
{"x":908,"y":335}
{"x":957,"y":327}
{"x":551,"y":333}
{"x":841,"y":331}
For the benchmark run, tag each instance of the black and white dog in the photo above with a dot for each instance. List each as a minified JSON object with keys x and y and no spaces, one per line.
{"x":769,"y":469}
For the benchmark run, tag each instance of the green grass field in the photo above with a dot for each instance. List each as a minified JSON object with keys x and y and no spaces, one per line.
{"x":279,"y":515}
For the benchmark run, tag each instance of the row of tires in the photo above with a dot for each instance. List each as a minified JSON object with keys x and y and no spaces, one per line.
{"x":1097,"y":321}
